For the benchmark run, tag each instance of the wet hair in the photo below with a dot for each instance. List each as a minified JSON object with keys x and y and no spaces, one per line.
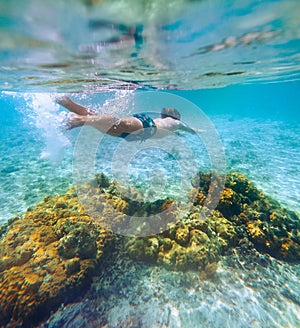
{"x":170,"y":112}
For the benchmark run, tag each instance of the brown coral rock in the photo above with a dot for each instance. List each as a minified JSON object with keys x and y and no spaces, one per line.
{"x":275,"y":230}
{"x":243,"y":212}
{"x":272,"y":228}
{"x":53,"y":249}
{"x":123,"y":209}
{"x":56,"y":246}
{"x":191,"y":244}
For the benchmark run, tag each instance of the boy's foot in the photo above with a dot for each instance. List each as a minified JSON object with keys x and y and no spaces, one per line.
{"x":62,"y":100}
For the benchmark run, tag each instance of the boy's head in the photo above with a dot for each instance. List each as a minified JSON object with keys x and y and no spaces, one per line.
{"x":170,"y":112}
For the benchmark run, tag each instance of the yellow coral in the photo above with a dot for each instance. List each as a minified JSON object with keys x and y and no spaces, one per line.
{"x":182,"y":235}
{"x":30,"y":262}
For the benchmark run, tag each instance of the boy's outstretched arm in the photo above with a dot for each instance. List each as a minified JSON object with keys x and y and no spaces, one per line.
{"x":182,"y":126}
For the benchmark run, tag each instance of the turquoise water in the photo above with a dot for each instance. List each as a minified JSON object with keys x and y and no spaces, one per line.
{"x":259,"y":129}
{"x":237,"y":78}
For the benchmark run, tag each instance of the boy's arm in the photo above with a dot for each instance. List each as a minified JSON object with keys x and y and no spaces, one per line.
{"x":182,"y":126}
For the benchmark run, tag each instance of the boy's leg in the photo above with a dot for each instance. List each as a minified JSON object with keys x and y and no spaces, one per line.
{"x":74,"y":107}
{"x":105,"y":123}
{"x":112,"y":125}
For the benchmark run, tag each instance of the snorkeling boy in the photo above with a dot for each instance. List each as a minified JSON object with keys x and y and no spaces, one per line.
{"x":138,"y":127}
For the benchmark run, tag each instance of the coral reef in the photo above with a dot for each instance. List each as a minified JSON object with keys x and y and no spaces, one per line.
{"x":51,"y":251}
{"x":123,"y":209}
{"x":197,"y":241}
{"x":272,"y":228}
{"x":191,"y":243}
{"x":55,"y":248}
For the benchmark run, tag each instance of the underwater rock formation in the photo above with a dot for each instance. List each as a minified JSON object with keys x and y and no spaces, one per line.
{"x":54,"y":249}
{"x":272,"y":228}
{"x":197,"y":241}
{"x":193,"y":243}
{"x":123,"y":209}
{"x":49,"y":253}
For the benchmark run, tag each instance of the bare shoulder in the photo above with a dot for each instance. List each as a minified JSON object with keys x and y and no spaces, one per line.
{"x":167,"y":123}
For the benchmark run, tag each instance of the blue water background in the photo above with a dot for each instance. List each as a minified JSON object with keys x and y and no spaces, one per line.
{"x":258,"y":126}
{"x":275,"y":101}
